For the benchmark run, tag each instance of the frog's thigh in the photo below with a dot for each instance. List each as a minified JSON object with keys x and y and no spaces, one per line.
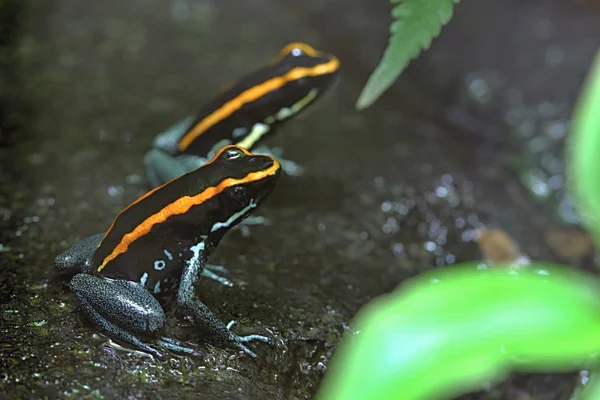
{"x":189,"y":162}
{"x":162,"y":167}
{"x":169,"y":138}
{"x":79,"y":256}
{"x":118,"y":308}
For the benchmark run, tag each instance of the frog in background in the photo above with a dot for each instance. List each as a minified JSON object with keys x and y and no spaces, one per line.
{"x":245,"y":114}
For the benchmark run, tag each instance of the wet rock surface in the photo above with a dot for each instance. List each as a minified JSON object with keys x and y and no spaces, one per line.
{"x":388,"y":193}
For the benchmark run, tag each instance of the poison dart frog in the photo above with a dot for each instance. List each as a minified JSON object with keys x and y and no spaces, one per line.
{"x":157,"y":248}
{"x":244,"y":114}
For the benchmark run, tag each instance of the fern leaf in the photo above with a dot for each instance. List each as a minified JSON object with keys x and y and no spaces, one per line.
{"x":416,"y":24}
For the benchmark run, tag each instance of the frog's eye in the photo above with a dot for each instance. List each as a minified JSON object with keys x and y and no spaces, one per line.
{"x":232,"y":154}
{"x":297,"y":52}
{"x":297,"y":49}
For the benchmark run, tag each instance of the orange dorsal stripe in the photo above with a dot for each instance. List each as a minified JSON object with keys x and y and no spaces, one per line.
{"x":181,"y":206}
{"x":253,"y":94}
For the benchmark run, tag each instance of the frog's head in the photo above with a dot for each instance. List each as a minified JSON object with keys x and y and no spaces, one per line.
{"x":308,"y":68}
{"x":244,"y":180}
{"x":299,"y":54}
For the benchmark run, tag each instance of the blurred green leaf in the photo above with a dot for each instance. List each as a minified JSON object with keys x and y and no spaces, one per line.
{"x":583,"y":154}
{"x":416,"y":23}
{"x":449,"y":331}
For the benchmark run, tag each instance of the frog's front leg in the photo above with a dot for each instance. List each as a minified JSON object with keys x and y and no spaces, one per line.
{"x":122,"y":310}
{"x":289,"y":167}
{"x":162,"y":167}
{"x":199,"y":313}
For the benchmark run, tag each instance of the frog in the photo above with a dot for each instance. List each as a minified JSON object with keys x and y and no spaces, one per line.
{"x":245,"y":113}
{"x":158,"y":247}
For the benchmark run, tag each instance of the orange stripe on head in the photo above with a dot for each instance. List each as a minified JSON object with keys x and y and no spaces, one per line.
{"x":253,"y":94}
{"x":182,"y":205}
{"x":305,"y":48}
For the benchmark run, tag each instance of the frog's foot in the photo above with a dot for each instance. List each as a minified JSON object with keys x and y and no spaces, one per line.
{"x":200,"y":314}
{"x":289,"y":167}
{"x":256,"y":220}
{"x":121,"y":310}
{"x":245,"y":225}
{"x":79,"y":257}
{"x":240,"y":340}
{"x":176,"y":346}
{"x":210,"y":270}
{"x":162,"y":167}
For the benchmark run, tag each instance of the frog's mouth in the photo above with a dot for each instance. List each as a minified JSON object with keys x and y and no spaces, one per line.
{"x":237,"y":217}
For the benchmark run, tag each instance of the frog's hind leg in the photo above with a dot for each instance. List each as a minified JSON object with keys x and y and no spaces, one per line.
{"x":121,"y":310}
{"x":79,"y":257}
{"x":162,"y":167}
{"x":168,"y":139}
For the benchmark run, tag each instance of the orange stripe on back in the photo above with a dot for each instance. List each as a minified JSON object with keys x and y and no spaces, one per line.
{"x":126,"y":208}
{"x":181,"y":206}
{"x":164,"y":184}
{"x":251,"y":95}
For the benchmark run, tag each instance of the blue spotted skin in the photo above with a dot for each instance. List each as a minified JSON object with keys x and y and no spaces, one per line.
{"x":122,"y":289}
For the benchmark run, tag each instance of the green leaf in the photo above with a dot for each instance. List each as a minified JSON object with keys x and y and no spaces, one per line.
{"x":591,"y":389}
{"x":583,"y":153}
{"x":450,"y":331}
{"x":416,"y":23}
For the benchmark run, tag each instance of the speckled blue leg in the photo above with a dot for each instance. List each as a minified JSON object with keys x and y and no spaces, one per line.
{"x":168,"y":139}
{"x":200,"y":314}
{"x":121,"y":310}
{"x":162,"y":167}
{"x":160,"y":163}
{"x":79,"y":257}
{"x":289,"y":167}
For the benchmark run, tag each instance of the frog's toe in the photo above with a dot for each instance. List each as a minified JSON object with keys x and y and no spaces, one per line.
{"x":240,"y":340}
{"x":208,"y":272}
{"x":216,"y":268}
{"x":246,"y":350}
{"x":176,"y":346}
{"x":291,"y":168}
{"x":248,"y":338}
